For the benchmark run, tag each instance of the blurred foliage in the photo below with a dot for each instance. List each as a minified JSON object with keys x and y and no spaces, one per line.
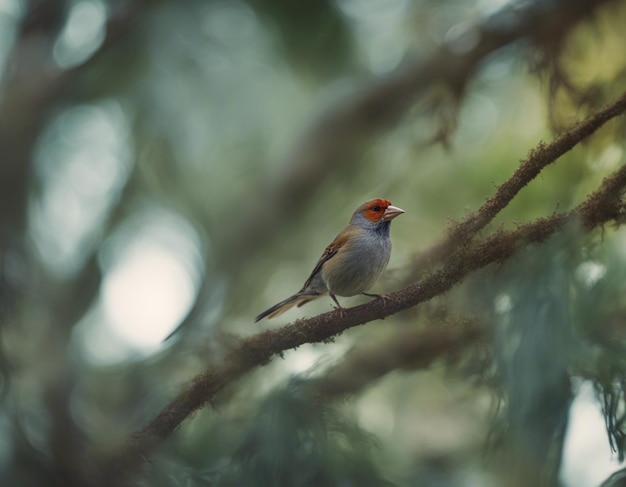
{"x":314,"y":35}
{"x":152,"y":177}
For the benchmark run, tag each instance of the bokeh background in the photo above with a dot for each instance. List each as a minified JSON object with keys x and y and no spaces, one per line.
{"x":180,"y":166}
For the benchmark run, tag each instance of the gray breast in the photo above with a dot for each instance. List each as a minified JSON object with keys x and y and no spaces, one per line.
{"x":360,"y":266}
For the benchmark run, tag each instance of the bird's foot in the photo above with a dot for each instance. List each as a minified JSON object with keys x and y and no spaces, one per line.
{"x":341,"y":309}
{"x":382,"y":297}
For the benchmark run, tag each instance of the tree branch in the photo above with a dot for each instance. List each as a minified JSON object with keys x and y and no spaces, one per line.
{"x":600,"y":207}
{"x":406,"y":350}
{"x":538,"y":159}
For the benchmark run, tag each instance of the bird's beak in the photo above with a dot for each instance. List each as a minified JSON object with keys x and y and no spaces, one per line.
{"x":391,"y":212}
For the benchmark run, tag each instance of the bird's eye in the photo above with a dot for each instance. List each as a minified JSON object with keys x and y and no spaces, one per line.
{"x":376,"y":208}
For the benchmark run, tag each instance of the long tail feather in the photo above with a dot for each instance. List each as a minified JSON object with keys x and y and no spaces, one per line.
{"x":286,"y":304}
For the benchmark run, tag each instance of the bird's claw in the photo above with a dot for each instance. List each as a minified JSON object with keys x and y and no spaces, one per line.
{"x":382,"y":297}
{"x":342,"y":311}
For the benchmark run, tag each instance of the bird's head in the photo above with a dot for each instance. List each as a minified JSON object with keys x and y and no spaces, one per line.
{"x":376,"y":211}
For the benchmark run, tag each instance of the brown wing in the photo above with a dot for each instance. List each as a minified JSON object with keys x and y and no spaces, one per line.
{"x":328,"y":254}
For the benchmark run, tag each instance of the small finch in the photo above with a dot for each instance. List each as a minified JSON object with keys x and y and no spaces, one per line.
{"x":352,"y":262}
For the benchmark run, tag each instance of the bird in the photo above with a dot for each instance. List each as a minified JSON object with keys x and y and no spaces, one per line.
{"x":352,"y":262}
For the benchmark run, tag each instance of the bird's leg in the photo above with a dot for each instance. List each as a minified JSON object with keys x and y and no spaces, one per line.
{"x":342,"y":310}
{"x":377,"y":296}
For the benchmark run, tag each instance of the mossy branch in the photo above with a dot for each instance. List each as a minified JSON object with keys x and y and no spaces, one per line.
{"x":602,"y":206}
{"x":410,"y":348}
{"x":538,"y":159}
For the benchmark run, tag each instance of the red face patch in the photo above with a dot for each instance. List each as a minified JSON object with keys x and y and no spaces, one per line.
{"x":375,"y":209}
